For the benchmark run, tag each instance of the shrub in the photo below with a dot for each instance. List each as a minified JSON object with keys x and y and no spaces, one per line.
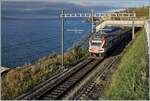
{"x":20,"y":80}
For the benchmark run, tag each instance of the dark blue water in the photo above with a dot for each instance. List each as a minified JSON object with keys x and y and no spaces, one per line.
{"x":24,"y":41}
{"x":28,"y":32}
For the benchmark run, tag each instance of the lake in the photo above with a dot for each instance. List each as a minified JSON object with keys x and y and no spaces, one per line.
{"x":28,"y":32}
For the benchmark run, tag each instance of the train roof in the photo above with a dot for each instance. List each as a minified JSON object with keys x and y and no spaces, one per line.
{"x":98,"y":34}
{"x":107,"y":33}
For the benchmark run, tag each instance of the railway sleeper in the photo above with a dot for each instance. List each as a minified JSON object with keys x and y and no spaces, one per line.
{"x":73,"y":79}
{"x":61,"y":89}
{"x":57,"y":91}
{"x":78,"y":76}
{"x":68,"y":81}
{"x":66,"y":84}
{"x":85,"y":70}
{"x":52,"y":95}
{"x":47,"y":98}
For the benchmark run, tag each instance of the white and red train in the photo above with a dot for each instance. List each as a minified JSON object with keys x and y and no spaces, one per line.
{"x":103,"y":42}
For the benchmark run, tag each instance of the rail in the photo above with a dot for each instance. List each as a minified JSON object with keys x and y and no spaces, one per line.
{"x":68,"y":80}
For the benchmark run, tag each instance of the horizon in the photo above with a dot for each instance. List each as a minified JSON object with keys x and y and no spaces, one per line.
{"x":112,"y":3}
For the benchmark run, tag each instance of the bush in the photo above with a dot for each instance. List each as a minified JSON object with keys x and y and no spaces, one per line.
{"x":20,"y":80}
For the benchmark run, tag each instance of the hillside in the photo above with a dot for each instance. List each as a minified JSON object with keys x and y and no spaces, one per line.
{"x":130,"y":81}
{"x":20,"y":80}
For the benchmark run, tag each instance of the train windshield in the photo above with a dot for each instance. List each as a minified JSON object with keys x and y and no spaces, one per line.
{"x":96,"y":36}
{"x":96,"y":44}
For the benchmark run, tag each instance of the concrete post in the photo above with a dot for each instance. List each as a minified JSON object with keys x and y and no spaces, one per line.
{"x":92,"y":15}
{"x":92,"y":26}
{"x":133,"y":29}
{"x":62,"y":38}
{"x":149,"y":11}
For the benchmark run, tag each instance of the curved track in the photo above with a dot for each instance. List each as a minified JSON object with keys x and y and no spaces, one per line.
{"x":100,"y":72}
{"x":60,"y":87}
{"x":57,"y":89}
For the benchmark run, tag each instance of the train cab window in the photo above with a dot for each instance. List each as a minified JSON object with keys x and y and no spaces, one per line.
{"x":96,"y":44}
{"x":96,"y":36}
{"x":110,"y":41}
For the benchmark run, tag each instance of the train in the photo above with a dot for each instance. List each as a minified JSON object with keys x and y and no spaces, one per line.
{"x":102,"y":43}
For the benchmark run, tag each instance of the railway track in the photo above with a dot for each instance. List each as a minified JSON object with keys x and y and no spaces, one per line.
{"x":100,"y":72}
{"x":105,"y":68}
{"x":59,"y":88}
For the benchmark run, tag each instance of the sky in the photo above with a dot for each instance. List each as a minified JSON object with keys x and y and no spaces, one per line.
{"x":122,"y":3}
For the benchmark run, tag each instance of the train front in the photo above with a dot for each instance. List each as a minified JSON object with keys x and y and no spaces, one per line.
{"x":97,"y":44}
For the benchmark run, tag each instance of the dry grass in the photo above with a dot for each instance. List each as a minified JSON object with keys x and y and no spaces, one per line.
{"x":142,"y":12}
{"x":20,"y":80}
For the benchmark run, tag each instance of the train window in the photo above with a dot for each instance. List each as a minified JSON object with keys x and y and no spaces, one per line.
{"x":110,"y":41}
{"x":96,"y":44}
{"x":96,"y":36}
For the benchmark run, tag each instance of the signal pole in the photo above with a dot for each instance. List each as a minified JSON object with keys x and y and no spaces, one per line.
{"x":133,"y":28}
{"x":149,"y":10}
{"x":62,"y":38}
{"x":92,"y":15}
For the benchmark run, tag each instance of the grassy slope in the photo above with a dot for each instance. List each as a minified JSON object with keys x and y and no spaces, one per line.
{"x":130,"y":81}
{"x":20,"y":80}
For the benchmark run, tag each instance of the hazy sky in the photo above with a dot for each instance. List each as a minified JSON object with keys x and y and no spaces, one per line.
{"x":125,"y":3}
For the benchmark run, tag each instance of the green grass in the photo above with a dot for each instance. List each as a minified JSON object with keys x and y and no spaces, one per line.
{"x":20,"y":80}
{"x":130,"y":81}
{"x":142,"y":12}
